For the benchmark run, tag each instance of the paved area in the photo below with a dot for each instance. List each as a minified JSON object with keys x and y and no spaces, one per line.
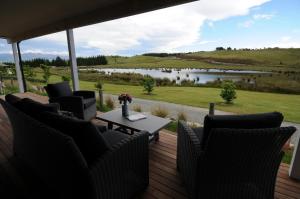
{"x":194,"y":114}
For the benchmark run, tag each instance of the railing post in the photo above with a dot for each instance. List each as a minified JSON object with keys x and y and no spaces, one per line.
{"x":211,"y":108}
{"x":72,"y":58}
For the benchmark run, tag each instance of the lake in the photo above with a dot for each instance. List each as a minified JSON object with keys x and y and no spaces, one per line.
{"x":200,"y":76}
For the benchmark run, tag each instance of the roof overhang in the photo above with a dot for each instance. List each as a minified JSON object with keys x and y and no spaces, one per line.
{"x":20,"y":20}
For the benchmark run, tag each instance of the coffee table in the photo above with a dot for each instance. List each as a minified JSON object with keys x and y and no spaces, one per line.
{"x":152,"y":124}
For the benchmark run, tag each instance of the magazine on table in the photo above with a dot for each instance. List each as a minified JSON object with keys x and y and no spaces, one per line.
{"x":137,"y":116}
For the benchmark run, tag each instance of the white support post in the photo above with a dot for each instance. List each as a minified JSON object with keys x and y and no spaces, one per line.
{"x":18,"y":68}
{"x":294,"y":171}
{"x":72,"y":58}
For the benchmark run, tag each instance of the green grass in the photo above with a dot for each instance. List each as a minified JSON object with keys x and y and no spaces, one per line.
{"x":246,"y":102}
{"x":288,"y":154}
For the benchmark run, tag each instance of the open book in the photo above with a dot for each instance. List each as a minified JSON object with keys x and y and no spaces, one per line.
{"x":136,"y":117}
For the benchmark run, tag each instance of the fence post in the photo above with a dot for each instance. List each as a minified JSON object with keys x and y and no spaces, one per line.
{"x":211,"y":108}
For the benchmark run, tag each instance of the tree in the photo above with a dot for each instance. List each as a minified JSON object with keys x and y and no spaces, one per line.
{"x":46,"y":71}
{"x":228,"y":91}
{"x":58,"y":61}
{"x":148,"y":84}
{"x":220,"y":48}
{"x":229,"y":48}
{"x":65,"y":78}
{"x":99,"y":86}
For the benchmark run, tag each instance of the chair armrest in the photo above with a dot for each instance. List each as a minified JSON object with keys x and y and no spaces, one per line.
{"x":85,"y":94}
{"x":73,"y":104}
{"x":124,"y":168}
{"x":189,"y":155}
{"x":187,"y":138}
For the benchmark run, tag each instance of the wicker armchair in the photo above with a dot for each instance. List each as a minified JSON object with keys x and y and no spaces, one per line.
{"x":81,"y":103}
{"x":235,"y":163}
{"x":120,"y":172}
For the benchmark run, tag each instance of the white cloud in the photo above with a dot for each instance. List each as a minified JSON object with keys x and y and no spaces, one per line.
{"x":287,"y":42}
{"x":207,"y":42}
{"x":263,"y":16}
{"x":165,"y":30}
{"x":62,"y":53}
{"x":246,"y":24}
{"x":256,"y":17}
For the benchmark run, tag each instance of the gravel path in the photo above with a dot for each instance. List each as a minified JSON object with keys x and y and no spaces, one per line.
{"x":194,"y":114}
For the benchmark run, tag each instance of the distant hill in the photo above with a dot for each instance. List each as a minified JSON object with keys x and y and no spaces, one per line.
{"x":256,"y":59}
{"x":269,"y":56}
{"x":6,"y":57}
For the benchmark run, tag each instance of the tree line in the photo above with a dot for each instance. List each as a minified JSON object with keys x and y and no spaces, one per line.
{"x":60,"y":62}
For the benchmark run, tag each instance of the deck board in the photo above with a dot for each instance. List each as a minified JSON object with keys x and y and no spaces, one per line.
{"x":165,"y":182}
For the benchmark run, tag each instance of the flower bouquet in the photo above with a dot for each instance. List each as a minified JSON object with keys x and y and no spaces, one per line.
{"x":123,"y":99}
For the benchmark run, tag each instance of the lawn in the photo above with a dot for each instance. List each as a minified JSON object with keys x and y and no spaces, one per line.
{"x":246,"y":102}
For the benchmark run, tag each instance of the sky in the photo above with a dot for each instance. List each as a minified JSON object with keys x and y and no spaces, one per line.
{"x":198,"y":26}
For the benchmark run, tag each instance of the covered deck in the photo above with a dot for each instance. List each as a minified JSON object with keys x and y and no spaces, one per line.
{"x":16,"y":181}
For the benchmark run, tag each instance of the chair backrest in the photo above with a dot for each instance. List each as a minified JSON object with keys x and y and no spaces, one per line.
{"x":60,"y":89}
{"x":243,"y":161}
{"x":248,"y":121}
{"x":53,"y":156}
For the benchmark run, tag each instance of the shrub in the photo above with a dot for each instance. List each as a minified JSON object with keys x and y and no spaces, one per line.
{"x":99,"y":85}
{"x":148,"y":84}
{"x":109,"y":102}
{"x":65,"y":78}
{"x":181,"y":116}
{"x":228,"y":91}
{"x":137,"y":108}
{"x":160,"y":112}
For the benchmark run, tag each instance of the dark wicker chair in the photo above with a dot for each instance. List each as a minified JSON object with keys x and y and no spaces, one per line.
{"x":81,"y":103}
{"x":121,"y":172}
{"x":235,"y":163}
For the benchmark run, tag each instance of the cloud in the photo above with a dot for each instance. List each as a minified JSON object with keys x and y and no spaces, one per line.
{"x":287,"y":42}
{"x":166,"y":30}
{"x":246,"y":24}
{"x":41,"y":51}
{"x":263,"y":16}
{"x":256,"y":17}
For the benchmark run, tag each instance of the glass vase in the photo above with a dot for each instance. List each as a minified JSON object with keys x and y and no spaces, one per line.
{"x":125,"y":112}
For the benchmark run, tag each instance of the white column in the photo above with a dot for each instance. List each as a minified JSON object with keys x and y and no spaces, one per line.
{"x":294,"y":171}
{"x":18,"y":69}
{"x":72,"y":57}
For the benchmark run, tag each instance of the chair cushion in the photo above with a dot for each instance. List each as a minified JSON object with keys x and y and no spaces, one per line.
{"x":34,"y":108}
{"x":59,"y":90}
{"x":114,"y":137}
{"x":12,"y":99}
{"x":88,"y":102}
{"x":89,"y":140}
{"x":101,"y":128}
{"x":250,"y":121}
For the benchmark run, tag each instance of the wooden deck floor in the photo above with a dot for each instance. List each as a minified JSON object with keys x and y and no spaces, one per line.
{"x":164,"y":179}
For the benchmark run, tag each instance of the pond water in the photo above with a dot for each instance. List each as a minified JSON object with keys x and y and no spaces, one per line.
{"x":200,"y":76}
